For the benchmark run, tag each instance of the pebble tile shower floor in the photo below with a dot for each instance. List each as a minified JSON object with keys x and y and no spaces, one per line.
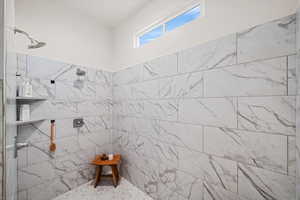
{"x":125,"y":191}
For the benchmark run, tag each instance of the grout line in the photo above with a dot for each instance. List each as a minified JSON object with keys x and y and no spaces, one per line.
{"x":195,"y":98}
{"x":204,"y":70}
{"x":287,"y":75}
{"x":206,"y":125}
{"x":203,"y":84}
{"x":203,"y":138}
{"x":237,"y":112}
{"x":287,"y":156}
{"x":237,"y":178}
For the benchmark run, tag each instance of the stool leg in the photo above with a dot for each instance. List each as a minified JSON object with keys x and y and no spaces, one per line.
{"x":114,"y":175}
{"x":118,"y":175}
{"x":98,"y":175}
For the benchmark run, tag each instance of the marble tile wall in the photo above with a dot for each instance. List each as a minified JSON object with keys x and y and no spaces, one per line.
{"x":214,"y":122}
{"x":1,"y":140}
{"x":44,"y":175}
{"x":217,"y":121}
{"x":297,"y":72}
{"x":10,"y":128}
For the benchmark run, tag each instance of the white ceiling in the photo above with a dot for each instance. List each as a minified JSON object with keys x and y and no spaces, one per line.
{"x":109,"y":12}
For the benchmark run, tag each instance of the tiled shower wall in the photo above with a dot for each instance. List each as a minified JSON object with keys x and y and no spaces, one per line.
{"x":298,"y":106}
{"x":216,"y":121}
{"x":1,"y":139}
{"x":10,"y":127}
{"x":41,"y":175}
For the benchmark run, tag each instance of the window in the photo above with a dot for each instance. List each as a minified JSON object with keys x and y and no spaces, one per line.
{"x":182,"y":19}
{"x":151,"y":35}
{"x":169,"y":24}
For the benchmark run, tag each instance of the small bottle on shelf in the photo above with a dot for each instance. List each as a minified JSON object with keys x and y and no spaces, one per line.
{"x":24,"y":112}
{"x":27,"y":88}
{"x":18,"y":86}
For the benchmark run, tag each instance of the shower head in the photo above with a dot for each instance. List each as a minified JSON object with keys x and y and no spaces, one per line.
{"x":34,"y":44}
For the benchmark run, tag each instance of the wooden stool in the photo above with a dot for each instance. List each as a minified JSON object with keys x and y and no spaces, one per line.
{"x":114,"y":168}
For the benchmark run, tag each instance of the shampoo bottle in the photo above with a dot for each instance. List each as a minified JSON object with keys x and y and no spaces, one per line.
{"x":24,"y":112}
{"x":19,"y":86}
{"x":27,"y":88}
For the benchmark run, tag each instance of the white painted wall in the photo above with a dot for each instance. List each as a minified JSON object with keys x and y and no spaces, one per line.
{"x":71,"y":37}
{"x":222,"y":17}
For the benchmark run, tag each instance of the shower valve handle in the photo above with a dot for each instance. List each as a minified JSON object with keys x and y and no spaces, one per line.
{"x":16,"y":146}
{"x":21,"y":145}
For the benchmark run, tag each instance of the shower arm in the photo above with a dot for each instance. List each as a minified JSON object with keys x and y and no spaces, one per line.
{"x":32,"y":40}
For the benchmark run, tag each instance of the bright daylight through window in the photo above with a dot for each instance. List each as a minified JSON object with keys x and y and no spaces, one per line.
{"x":159,"y":29}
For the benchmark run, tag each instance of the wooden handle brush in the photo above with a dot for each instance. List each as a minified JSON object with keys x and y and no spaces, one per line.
{"x":52,"y":136}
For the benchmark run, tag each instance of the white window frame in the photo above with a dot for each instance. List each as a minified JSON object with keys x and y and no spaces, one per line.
{"x":163,"y":22}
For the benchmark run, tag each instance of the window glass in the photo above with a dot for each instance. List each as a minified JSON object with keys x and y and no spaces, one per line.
{"x":151,"y":35}
{"x":171,"y":24}
{"x":183,"y":18}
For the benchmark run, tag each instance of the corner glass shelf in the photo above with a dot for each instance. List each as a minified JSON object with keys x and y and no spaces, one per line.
{"x":20,"y":123}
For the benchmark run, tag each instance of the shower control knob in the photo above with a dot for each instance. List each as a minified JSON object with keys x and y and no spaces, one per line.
{"x":21,"y":145}
{"x":16,"y":146}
